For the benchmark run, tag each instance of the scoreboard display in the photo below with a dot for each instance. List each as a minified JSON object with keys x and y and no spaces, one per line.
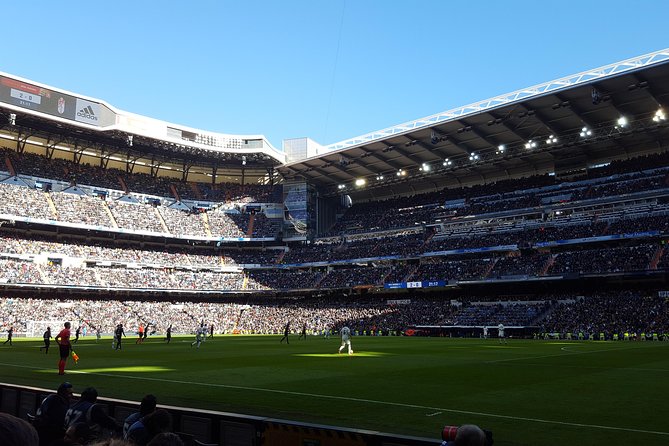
{"x":29,"y":96}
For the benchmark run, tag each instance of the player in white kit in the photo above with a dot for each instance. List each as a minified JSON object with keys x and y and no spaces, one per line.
{"x":346,"y":340}
{"x":500,"y":333}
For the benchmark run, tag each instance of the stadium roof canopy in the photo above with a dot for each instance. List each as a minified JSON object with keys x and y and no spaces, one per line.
{"x":51,"y":120}
{"x":561,"y":127}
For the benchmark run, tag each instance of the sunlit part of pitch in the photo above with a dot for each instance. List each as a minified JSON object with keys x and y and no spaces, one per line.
{"x":342,"y":355}
{"x":131,"y":369}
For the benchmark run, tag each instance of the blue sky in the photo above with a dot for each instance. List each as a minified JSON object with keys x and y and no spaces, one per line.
{"x":328,"y":70}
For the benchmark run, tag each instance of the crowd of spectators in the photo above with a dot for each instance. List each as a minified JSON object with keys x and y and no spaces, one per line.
{"x":167,"y":257}
{"x":50,"y":263}
{"x":73,"y":207}
{"x":506,"y":195}
{"x":109,"y":178}
{"x":614,"y":312}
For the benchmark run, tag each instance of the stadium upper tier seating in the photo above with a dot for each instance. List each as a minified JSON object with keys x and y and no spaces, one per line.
{"x":614,"y":220}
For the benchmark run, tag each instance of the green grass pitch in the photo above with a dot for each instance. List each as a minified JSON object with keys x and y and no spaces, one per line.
{"x":527,"y":392}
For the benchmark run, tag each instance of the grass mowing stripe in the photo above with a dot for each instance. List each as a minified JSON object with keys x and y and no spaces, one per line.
{"x":358,"y":400}
{"x":569,"y":353}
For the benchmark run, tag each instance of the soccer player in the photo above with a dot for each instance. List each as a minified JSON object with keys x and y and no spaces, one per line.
{"x":10,"y":333}
{"x":77,"y":332}
{"x":63,"y":341}
{"x":286,"y":331}
{"x":345,"y":340}
{"x":304,"y":332}
{"x":117,"y":336}
{"x":211,"y":331}
{"x":140,"y":332}
{"x":47,"y":340}
{"x":500,"y":333}
{"x":168,"y":334}
{"x":199,"y":335}
{"x":485,"y":332}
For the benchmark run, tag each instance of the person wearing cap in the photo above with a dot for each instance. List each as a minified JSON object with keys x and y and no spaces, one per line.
{"x":63,"y":341}
{"x":50,"y":416}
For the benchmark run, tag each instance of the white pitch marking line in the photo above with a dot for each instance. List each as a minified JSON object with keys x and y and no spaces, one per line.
{"x":361,"y":400}
{"x":568,"y":353}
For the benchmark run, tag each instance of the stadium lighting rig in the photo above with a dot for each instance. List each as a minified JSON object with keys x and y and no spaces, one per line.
{"x":552,"y":141}
{"x":531,"y":144}
{"x":659,"y":116}
{"x":585,"y":132}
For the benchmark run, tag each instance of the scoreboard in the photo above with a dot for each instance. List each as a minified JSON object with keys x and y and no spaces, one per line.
{"x":39,"y":99}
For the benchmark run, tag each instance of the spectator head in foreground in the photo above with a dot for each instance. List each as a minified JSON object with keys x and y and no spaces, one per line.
{"x":16,"y":432}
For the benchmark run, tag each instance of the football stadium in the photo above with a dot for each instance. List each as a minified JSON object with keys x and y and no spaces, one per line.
{"x":503,"y":264}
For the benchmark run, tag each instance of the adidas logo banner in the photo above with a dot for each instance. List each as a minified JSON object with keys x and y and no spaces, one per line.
{"x":87,"y":112}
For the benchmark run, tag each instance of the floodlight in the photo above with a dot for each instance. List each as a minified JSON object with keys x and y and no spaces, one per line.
{"x":360,"y":182}
{"x":622,"y":122}
{"x":585,"y":132}
{"x":659,"y":116}
{"x":447,"y":162}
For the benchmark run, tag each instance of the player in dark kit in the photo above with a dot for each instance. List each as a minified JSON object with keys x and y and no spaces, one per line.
{"x":118,"y":334}
{"x":286,"y":331}
{"x":168,"y":334}
{"x":77,"y":332}
{"x":47,"y":340}
{"x":304,"y":332}
{"x":10,"y":333}
{"x":63,"y":341}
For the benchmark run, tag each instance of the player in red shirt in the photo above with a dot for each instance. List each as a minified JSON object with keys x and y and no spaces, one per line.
{"x":63,"y":341}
